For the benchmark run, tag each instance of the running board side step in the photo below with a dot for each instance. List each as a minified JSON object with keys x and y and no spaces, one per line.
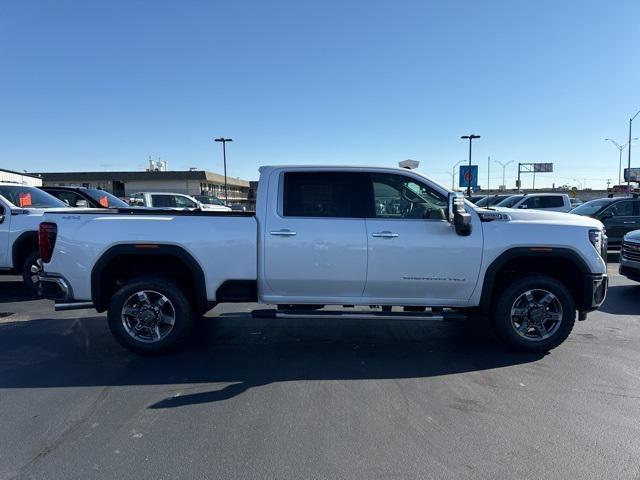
{"x":359,"y":315}
{"x":64,"y":306}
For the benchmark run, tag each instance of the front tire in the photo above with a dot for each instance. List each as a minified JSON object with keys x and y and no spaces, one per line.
{"x":150,"y":315}
{"x":534,"y":314}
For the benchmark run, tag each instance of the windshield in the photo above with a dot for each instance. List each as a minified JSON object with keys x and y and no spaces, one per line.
{"x":589,"y":208}
{"x":105,"y":198}
{"x":29,"y":197}
{"x":490,"y":200}
{"x":509,"y":202}
{"x":208,"y":200}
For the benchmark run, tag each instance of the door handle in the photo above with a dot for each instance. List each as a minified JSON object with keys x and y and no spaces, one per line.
{"x":385,"y":234}
{"x":283,"y":233}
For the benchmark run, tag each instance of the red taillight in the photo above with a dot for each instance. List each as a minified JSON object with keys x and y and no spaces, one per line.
{"x":47,"y":238}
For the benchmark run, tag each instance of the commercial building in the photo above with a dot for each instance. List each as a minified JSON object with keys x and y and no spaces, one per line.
{"x":124,"y":184}
{"x":17,"y":177}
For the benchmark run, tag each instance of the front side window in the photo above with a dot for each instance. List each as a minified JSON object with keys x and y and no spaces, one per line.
{"x":620,"y":209}
{"x":533,"y":202}
{"x":323,"y":194}
{"x":397,"y":196}
{"x":184,"y":202}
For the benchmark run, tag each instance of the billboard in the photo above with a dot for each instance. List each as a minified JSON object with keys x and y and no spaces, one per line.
{"x":634,"y":177}
{"x":543,"y":167}
{"x":469,"y":176}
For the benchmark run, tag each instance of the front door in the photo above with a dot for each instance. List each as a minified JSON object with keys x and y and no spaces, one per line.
{"x":415,"y":255}
{"x":619,"y":219}
{"x":315,"y":244}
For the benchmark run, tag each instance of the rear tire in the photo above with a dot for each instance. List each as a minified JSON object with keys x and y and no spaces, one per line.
{"x":534,"y":314}
{"x":30,"y":268}
{"x":150,"y":315}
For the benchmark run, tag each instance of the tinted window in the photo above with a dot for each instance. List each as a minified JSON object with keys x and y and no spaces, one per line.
{"x":105,"y":198}
{"x":552,"y":201}
{"x":509,"y":201}
{"x":320,"y":194}
{"x":591,"y":207}
{"x":184,"y":202}
{"x":620,"y":209}
{"x":23,"y":196}
{"x":533,"y":202}
{"x":72,"y":199}
{"x":163,"y":201}
{"x":397,"y":196}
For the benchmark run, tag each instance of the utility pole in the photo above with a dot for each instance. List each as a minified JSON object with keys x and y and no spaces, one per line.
{"x":629,"y":155}
{"x":620,"y":149}
{"x":488,"y":172}
{"x":470,"y":137}
{"x":224,"y":156}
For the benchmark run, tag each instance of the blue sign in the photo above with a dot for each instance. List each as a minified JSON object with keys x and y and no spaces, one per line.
{"x":469,"y":176}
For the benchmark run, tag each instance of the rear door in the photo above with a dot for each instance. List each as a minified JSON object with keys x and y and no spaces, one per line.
{"x":315,"y":243}
{"x":415,"y":255}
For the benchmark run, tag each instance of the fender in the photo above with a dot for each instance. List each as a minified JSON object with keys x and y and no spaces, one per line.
{"x":138,"y":249}
{"x":532,"y":252}
{"x":24,"y":237}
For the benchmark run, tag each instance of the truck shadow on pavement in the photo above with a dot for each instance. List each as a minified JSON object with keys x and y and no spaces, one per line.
{"x":241,"y":352}
{"x":622,"y":300}
{"x":16,"y":292}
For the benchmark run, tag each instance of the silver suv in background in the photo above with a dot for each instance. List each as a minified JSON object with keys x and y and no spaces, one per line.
{"x":555,"y":202}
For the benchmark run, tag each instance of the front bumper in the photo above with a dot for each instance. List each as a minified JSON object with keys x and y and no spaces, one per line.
{"x":594,"y":292}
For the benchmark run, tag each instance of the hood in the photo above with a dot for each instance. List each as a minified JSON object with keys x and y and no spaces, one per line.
{"x":547,"y":217}
{"x":633,"y":236}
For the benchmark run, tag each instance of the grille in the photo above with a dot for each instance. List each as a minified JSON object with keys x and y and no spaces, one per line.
{"x":631,"y":251}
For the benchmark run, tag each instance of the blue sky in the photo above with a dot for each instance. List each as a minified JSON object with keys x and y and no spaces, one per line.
{"x":89,"y":85}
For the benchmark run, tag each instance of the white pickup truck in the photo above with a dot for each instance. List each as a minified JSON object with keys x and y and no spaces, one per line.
{"x":330,"y":236}
{"x":21,"y":210}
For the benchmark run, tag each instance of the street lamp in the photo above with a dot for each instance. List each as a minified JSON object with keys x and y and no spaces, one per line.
{"x":629,"y":155}
{"x":620,"y":148}
{"x":470,"y":137}
{"x":224,"y":156}
{"x":453,"y":175}
{"x":504,"y":166}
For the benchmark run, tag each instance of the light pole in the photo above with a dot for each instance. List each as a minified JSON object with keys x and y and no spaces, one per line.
{"x":470,"y":137}
{"x":453,"y":175}
{"x":629,"y":155}
{"x":224,"y":156}
{"x":504,"y":166}
{"x":620,"y":149}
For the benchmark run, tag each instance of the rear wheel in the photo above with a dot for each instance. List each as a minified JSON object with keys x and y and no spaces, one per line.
{"x":150,"y":315}
{"x":31,"y":268}
{"x":534,"y":314}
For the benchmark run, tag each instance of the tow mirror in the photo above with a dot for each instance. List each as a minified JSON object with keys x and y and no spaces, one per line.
{"x":458,"y":215}
{"x":523,"y":206}
{"x":82,"y":203}
{"x":606,"y":216}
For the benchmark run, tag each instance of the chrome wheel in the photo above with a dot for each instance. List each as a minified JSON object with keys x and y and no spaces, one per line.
{"x":148,"y":316}
{"x":536,"y":314}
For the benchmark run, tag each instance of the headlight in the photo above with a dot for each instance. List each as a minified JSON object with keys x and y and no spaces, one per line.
{"x":596,"y":238}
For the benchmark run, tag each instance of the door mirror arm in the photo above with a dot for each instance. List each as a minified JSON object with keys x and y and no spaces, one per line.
{"x":458,"y":215}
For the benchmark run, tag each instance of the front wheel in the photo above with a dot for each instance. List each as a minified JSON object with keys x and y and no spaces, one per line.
{"x":534,"y":314}
{"x":150,"y":315}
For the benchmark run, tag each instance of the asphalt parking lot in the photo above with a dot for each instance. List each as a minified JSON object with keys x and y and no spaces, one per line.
{"x":259,"y":398}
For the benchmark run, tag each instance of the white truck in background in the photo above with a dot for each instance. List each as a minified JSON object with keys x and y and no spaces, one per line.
{"x":173,"y":201}
{"x":21,"y":210}
{"x":329,"y":236}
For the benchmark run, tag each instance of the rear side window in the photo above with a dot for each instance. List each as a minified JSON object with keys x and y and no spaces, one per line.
{"x":552,"y":201}
{"x":163,"y":201}
{"x":320,"y":194}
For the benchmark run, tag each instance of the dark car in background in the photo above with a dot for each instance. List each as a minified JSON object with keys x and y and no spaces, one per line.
{"x":491,"y":200}
{"x":619,"y":215}
{"x":81,"y":197}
